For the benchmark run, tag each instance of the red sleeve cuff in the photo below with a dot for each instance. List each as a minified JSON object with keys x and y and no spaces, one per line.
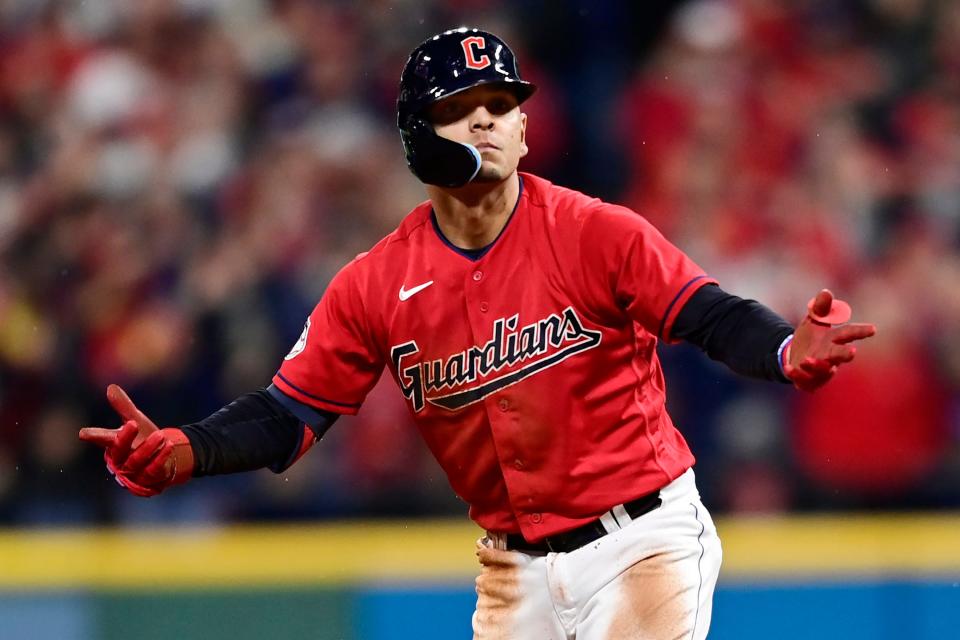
{"x":673,"y":310}
{"x":313,"y":400}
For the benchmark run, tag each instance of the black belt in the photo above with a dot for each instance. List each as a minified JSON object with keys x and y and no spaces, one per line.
{"x":585,"y":534}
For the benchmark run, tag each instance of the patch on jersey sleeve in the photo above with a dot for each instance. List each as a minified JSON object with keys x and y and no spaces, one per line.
{"x":301,"y":343}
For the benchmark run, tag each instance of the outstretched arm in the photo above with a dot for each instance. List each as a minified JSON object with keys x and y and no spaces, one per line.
{"x":754,"y":341}
{"x":256,"y":430}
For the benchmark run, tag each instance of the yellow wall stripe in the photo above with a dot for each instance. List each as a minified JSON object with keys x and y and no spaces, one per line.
{"x":242,"y":556}
{"x":842,"y":545}
{"x":330,"y":554}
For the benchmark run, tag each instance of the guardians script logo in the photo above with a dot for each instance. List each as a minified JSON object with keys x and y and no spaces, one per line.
{"x":471,"y":375}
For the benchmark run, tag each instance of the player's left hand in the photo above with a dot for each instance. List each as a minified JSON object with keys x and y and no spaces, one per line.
{"x":143,"y":458}
{"x":822,"y":342}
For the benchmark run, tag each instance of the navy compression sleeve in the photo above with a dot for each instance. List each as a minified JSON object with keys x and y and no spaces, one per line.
{"x":743,"y":334}
{"x":252,"y":432}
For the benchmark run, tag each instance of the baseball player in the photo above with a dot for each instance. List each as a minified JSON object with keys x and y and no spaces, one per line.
{"x":520,"y":321}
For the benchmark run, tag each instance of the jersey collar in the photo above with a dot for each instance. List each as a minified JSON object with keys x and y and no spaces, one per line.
{"x":476,"y":254}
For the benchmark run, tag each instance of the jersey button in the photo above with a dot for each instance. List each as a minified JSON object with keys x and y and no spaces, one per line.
{"x":477,"y":276}
{"x":484,"y":307}
{"x":504,"y":404}
{"x":536,"y":518}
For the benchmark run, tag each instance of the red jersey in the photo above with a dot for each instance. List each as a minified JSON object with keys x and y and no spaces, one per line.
{"x":531,"y":371}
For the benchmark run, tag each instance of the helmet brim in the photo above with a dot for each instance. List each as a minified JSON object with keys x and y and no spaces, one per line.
{"x":520,"y":88}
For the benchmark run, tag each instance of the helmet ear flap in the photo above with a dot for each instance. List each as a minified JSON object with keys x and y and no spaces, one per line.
{"x":435,"y":159}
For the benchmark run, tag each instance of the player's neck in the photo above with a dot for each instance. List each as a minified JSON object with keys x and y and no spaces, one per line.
{"x":472,"y":217}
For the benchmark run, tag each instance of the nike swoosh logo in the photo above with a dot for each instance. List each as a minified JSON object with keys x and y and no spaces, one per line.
{"x":405,"y":294}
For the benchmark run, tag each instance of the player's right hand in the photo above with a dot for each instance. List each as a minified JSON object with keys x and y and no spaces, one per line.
{"x":143,"y":458}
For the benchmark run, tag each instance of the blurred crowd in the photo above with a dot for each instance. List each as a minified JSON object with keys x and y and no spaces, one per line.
{"x":180,"y":179}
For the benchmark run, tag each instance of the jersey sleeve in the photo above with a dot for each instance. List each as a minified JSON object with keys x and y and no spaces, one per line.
{"x":335,"y":362}
{"x":650,"y":278}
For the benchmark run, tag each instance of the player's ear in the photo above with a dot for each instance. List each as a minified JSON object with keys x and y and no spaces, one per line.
{"x":523,"y":135}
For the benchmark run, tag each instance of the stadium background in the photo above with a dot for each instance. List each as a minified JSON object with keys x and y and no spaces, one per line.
{"x":179,"y":181}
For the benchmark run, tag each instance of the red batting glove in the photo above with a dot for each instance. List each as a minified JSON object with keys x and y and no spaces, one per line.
{"x":141,"y":457}
{"x":818,"y":347}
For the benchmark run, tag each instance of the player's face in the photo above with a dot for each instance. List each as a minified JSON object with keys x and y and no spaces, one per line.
{"x":489,"y":118}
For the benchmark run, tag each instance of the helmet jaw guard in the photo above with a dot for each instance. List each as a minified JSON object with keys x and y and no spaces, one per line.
{"x":449,"y":63}
{"x":435,"y":159}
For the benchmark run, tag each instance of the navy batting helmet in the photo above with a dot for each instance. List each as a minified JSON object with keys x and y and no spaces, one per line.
{"x":448,"y":63}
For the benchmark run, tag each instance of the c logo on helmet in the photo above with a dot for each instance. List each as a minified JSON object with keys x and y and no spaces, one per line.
{"x":473,"y":62}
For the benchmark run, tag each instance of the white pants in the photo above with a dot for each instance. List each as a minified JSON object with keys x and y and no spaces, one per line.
{"x":653,"y":579}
